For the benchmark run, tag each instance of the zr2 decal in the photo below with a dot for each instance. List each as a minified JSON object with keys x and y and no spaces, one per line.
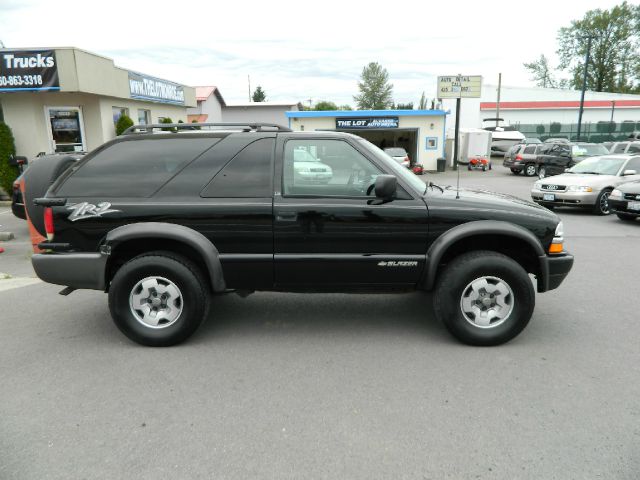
{"x":89,"y":210}
{"x":393,"y":263}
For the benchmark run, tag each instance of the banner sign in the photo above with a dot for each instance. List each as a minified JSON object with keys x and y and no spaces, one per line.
{"x":366,"y":122}
{"x":28,"y":70}
{"x":144,"y":87}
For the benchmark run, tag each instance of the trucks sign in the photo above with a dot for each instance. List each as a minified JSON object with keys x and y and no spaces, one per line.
{"x":350,"y":123}
{"x":28,"y":70}
{"x":460,"y":86}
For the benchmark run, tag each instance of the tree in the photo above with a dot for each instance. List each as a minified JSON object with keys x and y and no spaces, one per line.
{"x":375,"y":89}
{"x":423,"y":102}
{"x":405,"y":106}
{"x":345,"y":107}
{"x":8,"y":173}
{"x":540,"y":129}
{"x":325,"y":105}
{"x":615,"y":36}
{"x":555,"y":127}
{"x":541,"y":72}
{"x":123,"y":123}
{"x":259,"y":95}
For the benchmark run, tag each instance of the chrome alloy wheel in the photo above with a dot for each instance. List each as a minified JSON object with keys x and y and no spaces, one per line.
{"x":156,"y":302}
{"x":530,"y":170}
{"x":604,"y":203}
{"x":487,"y":302}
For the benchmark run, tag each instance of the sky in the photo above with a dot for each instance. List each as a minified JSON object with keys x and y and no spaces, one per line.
{"x":302,"y":51}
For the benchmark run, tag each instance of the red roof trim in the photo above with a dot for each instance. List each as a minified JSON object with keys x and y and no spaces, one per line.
{"x":559,"y":104}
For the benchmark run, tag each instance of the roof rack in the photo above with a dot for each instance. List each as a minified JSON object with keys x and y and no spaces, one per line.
{"x":175,"y":127}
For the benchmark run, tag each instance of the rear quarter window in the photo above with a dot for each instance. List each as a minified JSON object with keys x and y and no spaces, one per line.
{"x":134,"y":168}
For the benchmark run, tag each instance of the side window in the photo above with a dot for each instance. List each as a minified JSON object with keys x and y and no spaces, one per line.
{"x":620,"y":147}
{"x":133,"y":168}
{"x":634,"y":148}
{"x":326,"y":168}
{"x":530,"y":149}
{"x":247,"y":175}
{"x":633,"y":164}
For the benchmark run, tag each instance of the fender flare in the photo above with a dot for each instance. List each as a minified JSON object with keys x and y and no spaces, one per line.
{"x":171,"y":231}
{"x":479,"y":227}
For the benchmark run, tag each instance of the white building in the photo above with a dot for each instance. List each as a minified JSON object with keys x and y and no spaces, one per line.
{"x":528,"y":108}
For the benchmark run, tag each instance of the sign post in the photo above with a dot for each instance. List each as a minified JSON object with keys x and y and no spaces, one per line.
{"x":459,"y":87}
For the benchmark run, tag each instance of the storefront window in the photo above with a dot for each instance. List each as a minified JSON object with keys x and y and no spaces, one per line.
{"x":144,"y":117}
{"x":118,"y":112}
{"x":66,"y":129}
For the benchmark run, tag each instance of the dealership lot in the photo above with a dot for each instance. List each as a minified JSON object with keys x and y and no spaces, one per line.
{"x":329,"y":386}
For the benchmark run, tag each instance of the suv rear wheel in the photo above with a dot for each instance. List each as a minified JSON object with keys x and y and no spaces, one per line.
{"x":158,"y":299}
{"x":484,"y":298}
{"x":530,"y":169}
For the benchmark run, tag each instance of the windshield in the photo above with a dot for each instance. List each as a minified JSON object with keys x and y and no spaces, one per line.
{"x":397,"y":170}
{"x":588,"y":150}
{"x":396,"y":152}
{"x":599,"y":165}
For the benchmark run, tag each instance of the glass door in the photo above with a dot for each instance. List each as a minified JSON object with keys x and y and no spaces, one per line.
{"x":66,"y":129}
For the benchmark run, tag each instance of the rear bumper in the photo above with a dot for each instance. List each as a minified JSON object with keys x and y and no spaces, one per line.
{"x":76,"y":270}
{"x":554,"y":271}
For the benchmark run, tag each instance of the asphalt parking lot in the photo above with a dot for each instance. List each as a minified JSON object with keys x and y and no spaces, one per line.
{"x":329,"y":386}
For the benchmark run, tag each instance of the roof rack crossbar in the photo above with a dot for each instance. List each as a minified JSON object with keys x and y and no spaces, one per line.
{"x":245,"y":127}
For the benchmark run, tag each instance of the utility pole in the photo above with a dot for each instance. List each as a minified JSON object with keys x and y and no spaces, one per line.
{"x":498,"y":102}
{"x":249,"y":81}
{"x":310,"y":100}
{"x":584,"y":84}
{"x":613,"y":109}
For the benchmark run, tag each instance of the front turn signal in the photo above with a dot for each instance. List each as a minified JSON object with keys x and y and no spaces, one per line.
{"x":556,"y":248}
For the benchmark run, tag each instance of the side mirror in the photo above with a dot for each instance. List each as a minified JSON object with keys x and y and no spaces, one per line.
{"x":386,"y":186}
{"x":629,"y":172}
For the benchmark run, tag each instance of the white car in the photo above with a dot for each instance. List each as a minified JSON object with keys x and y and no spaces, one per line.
{"x":400,"y":155}
{"x":308,"y":169}
{"x":588,"y":183}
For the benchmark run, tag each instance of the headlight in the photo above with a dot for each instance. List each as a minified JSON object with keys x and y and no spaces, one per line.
{"x":537,"y":185}
{"x":557,"y":244}
{"x":579,"y":188}
{"x":616,"y":194}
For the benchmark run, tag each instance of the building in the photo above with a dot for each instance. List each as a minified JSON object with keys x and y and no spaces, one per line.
{"x":67,"y":99}
{"x":209,"y":105}
{"x":533,"y":110}
{"x":420,"y":132}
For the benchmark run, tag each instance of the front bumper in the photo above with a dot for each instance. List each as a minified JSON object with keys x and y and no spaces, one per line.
{"x":621,"y":206}
{"x":569,"y":199}
{"x":554,"y":270}
{"x":75,"y":270}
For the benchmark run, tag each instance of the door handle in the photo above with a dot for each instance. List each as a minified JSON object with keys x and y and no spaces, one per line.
{"x":287,"y":216}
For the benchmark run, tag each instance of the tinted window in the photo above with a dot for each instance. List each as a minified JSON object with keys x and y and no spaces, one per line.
{"x":633,"y":164}
{"x":619,"y":148}
{"x":247,"y":175}
{"x":336,"y":169}
{"x":134,"y":168}
{"x":530,"y":149}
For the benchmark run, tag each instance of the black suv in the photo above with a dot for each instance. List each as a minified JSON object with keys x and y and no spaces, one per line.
{"x":522,"y":158}
{"x":555,"y":157}
{"x":166,"y":221}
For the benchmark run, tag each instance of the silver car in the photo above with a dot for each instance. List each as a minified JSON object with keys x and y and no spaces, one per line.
{"x":308,"y":169}
{"x":588,"y":183}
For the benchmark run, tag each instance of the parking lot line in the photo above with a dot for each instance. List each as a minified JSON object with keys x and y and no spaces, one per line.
{"x":6,"y":211}
{"x":18,"y":282}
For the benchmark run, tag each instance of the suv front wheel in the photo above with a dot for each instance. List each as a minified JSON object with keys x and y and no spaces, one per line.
{"x":484,"y":298}
{"x":158,"y":299}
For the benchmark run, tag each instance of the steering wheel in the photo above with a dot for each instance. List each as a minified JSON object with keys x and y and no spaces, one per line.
{"x":370,"y":188}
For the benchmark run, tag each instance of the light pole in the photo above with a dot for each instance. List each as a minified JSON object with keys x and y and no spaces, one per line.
{"x":584,"y":84}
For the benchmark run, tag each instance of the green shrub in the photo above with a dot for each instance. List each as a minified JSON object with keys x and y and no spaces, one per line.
{"x":555,"y":127}
{"x":167,"y":120}
{"x":540,"y":129}
{"x":123,"y":123}
{"x":7,"y":148}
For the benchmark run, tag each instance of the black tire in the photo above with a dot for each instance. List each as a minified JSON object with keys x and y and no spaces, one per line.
{"x":515,"y":172}
{"x":457,"y":278}
{"x":484,"y":168}
{"x":542,"y":172}
{"x":602,"y":203}
{"x":468,"y":166}
{"x":191,"y":284}
{"x":529,"y":170}
{"x":626,"y":217}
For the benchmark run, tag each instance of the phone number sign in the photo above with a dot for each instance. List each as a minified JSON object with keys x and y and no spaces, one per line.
{"x":460,"y":86}
{"x":28,"y":70}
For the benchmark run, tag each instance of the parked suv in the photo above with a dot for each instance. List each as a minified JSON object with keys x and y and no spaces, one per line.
{"x":165,"y":223}
{"x":522,"y":158}
{"x":555,"y":157}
